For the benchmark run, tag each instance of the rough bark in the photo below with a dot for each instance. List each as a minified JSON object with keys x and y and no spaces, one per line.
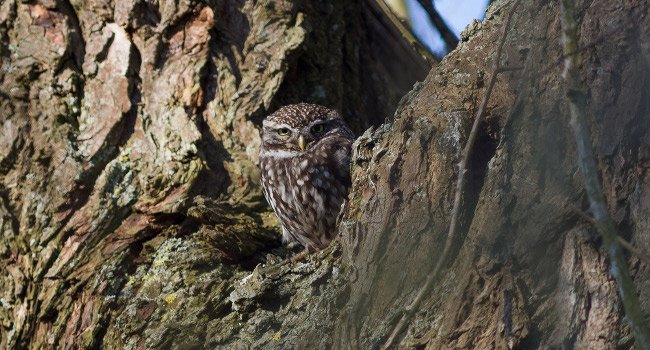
{"x":131,"y":214}
{"x":129,"y":195}
{"x":528,"y":271}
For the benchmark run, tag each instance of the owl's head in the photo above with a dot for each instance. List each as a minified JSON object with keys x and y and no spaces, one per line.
{"x":295,"y":129}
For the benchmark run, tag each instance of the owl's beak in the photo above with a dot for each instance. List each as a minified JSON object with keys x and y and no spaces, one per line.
{"x":301,"y":142}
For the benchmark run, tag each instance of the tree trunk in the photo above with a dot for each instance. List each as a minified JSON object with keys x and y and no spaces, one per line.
{"x":130,"y":199}
{"x":131,"y":214}
{"x":526,"y":270}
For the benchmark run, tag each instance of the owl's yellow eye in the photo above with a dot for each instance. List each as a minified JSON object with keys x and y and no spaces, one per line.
{"x":284,"y":131}
{"x":318,"y":128}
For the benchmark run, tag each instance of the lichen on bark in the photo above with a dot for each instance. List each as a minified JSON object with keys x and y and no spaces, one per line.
{"x":131,"y":214}
{"x":130,"y":203}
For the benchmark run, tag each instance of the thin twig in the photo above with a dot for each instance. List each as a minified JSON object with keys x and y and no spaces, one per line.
{"x":460,"y":186}
{"x":448,"y":36}
{"x":630,"y":248}
{"x":625,"y":244}
{"x":577,"y":99}
{"x":510,"y":69}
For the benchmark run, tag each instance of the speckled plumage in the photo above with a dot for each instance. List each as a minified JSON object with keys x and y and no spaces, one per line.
{"x":307,"y":185}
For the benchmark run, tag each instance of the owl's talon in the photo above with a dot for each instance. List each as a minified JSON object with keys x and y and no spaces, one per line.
{"x":292,"y":245}
{"x":300,"y":256}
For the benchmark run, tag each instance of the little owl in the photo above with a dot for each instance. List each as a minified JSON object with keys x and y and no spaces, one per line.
{"x":305,"y":166}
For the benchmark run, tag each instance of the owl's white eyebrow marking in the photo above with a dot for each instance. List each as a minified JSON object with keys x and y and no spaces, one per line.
{"x":273,"y":125}
{"x":279,"y":154}
{"x":318,"y":121}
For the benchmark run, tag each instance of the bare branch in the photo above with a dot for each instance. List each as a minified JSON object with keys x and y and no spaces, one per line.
{"x":577,"y":99}
{"x":460,"y":185}
{"x":450,"y":39}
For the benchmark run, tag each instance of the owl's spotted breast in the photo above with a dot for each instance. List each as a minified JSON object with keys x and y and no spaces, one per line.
{"x":305,"y":171}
